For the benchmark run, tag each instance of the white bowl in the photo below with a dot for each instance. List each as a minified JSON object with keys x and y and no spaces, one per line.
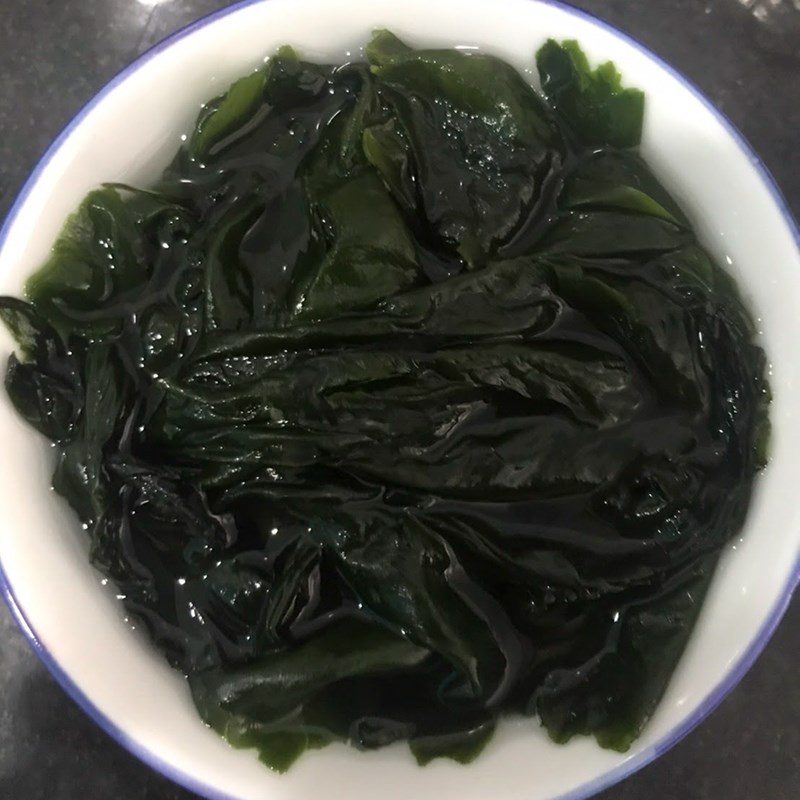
{"x":127,"y":133}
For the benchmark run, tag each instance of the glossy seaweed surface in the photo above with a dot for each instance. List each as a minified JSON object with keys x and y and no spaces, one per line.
{"x":405,"y":400}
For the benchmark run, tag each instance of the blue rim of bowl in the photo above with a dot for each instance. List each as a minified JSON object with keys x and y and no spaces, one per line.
{"x":586,"y":790}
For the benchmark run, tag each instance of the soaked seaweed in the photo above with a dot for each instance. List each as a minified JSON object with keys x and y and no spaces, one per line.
{"x":405,"y":400}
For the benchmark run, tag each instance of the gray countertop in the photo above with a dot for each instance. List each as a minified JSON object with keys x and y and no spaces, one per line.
{"x":744,"y":54}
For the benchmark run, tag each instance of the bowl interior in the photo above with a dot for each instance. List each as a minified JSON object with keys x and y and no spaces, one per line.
{"x":128,"y":134}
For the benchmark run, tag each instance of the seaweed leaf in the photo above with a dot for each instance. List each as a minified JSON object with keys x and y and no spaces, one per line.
{"x":598,"y":109}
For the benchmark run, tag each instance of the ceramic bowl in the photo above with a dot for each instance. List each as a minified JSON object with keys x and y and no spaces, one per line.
{"x":127,"y":133}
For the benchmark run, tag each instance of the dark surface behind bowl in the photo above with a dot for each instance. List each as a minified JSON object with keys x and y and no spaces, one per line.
{"x":744,"y":54}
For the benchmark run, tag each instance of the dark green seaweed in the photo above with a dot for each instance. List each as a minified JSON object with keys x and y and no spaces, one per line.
{"x":405,"y":400}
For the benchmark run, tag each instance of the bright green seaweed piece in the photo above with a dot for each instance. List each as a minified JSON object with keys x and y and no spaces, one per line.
{"x":597,"y":107}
